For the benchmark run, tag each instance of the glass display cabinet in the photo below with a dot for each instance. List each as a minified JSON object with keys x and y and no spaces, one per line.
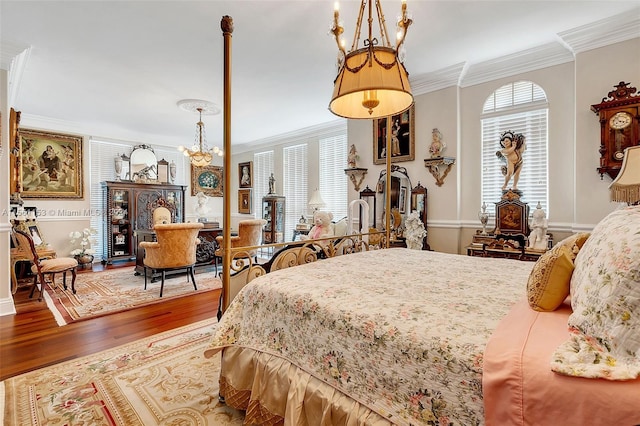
{"x":273,"y":211}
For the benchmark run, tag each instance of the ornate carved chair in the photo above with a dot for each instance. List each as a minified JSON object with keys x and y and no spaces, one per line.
{"x":174,"y":249}
{"x":249,"y":235}
{"x":42,"y":267}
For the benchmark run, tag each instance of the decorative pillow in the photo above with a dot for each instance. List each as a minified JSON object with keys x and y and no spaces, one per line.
{"x":340,"y":228}
{"x":604,"y":327}
{"x":550,"y":277}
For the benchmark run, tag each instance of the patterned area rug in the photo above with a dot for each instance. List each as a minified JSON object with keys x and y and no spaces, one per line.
{"x":107,"y":292}
{"x":160,"y":380}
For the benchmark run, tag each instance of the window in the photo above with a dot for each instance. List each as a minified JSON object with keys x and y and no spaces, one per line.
{"x":262,"y":169}
{"x":295,"y":185}
{"x":333,"y":180}
{"x":522,"y":108}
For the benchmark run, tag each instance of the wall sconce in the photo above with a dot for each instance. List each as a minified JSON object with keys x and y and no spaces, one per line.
{"x":356,"y":175}
{"x":434,"y":164}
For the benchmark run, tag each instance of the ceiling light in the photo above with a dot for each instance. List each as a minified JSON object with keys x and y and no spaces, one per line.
{"x":372,"y":81}
{"x":200,"y":154}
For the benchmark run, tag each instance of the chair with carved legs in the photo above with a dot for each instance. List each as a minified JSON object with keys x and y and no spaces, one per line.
{"x":41,"y":267}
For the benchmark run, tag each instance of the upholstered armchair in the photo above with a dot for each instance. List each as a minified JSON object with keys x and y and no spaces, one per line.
{"x":249,"y":235}
{"x":174,"y":249}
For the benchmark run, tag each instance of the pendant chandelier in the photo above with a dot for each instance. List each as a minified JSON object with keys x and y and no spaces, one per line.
{"x":372,"y":81}
{"x":200,"y":154}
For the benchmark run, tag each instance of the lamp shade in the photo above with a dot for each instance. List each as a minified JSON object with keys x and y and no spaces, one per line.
{"x":316,"y":200}
{"x":626,"y":186}
{"x":372,"y":83}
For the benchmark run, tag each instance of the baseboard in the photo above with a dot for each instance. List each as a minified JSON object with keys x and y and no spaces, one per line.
{"x":7,"y":307}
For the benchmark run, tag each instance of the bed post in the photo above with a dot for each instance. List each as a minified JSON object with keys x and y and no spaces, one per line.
{"x":387,"y":190}
{"x":227,"y":28}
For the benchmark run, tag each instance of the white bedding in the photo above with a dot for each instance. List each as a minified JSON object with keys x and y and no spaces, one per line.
{"x":400,"y":331}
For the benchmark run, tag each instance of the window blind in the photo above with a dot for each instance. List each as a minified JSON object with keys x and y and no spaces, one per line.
{"x":262,"y":169}
{"x":295,"y":185}
{"x":333,"y":180}
{"x":520,"y":107}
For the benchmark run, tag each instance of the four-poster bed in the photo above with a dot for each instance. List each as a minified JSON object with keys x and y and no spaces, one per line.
{"x":407,"y":337}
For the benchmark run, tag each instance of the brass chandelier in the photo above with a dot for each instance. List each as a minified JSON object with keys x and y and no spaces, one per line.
{"x":200,"y":154}
{"x":372,"y":81}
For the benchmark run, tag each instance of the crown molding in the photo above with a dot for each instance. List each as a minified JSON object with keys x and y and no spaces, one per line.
{"x":323,"y":130}
{"x":441,"y":79}
{"x":532,"y":59}
{"x":602,"y":33}
{"x":14,"y":58}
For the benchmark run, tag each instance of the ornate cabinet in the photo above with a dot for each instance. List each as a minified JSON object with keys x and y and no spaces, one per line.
{"x":619,"y":115}
{"x":273,"y":210}
{"x":129,"y":207}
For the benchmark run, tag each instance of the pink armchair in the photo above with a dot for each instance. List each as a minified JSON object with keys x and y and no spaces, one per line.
{"x":174,"y":249}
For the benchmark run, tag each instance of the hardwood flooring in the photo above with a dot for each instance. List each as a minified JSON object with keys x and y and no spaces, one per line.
{"x":31,"y":338}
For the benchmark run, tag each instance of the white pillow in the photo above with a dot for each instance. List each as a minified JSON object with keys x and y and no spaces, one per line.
{"x":340,"y":228}
{"x":604,"y":327}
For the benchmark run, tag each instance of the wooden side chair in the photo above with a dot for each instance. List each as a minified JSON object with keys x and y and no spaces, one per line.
{"x":42,"y":267}
{"x":174,"y":249}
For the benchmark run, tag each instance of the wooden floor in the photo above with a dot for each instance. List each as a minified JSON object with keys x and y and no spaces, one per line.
{"x":32,"y":339}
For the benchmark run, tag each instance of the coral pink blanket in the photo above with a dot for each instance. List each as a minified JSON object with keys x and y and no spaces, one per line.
{"x":520,"y":388}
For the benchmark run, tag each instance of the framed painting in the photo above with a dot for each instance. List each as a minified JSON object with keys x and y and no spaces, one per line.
{"x":244,"y":201}
{"x":245,"y":174}
{"x":399,"y":129}
{"x":208,"y":180}
{"x":50,"y":164}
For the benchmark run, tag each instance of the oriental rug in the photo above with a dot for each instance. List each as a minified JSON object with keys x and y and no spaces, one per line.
{"x":160,"y":380}
{"x":111,"y":291}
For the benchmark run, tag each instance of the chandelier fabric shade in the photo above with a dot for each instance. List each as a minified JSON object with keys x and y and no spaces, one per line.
{"x":372,"y":81}
{"x":626,"y":186}
{"x":367,"y":77}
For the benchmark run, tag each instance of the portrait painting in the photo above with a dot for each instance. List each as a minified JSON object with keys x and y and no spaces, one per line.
{"x":244,"y":201}
{"x":208,"y":180}
{"x":399,"y":130}
{"x":50,"y":165}
{"x":245,"y":174}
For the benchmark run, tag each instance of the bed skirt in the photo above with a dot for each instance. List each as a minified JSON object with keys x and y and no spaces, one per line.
{"x":273,"y":391}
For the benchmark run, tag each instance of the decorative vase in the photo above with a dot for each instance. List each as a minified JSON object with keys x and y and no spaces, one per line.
{"x":172,"y":171}
{"x":484,"y":218}
{"x":84,"y":260}
{"x":117,"y":164}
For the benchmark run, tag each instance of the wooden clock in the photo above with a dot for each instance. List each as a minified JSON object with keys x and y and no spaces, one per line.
{"x":619,"y":114}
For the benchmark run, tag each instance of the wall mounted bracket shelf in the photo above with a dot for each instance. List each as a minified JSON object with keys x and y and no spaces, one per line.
{"x":356,"y":175}
{"x":434,"y":165}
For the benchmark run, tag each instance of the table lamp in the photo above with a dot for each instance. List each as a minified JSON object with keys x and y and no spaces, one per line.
{"x":625,"y":187}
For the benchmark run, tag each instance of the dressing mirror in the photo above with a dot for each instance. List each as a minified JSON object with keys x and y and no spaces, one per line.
{"x":143,"y":164}
{"x":400,"y":196}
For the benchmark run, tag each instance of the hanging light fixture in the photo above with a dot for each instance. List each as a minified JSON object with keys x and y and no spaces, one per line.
{"x":372,"y":81}
{"x":200,"y":154}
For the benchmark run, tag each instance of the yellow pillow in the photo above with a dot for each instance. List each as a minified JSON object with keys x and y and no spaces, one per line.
{"x":550,"y":278}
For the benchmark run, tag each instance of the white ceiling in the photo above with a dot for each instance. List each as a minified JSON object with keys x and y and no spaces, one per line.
{"x":118,"y":68}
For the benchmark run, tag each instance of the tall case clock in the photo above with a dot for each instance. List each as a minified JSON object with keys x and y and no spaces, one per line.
{"x":619,"y":115}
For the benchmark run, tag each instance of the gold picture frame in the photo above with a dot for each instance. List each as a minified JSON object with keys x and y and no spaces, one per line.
{"x":245,"y":174}
{"x":50,"y":165}
{"x":401,"y":129}
{"x":208,"y":180}
{"x":244,"y":201}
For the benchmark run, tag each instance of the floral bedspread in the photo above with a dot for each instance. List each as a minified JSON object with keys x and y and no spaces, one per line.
{"x":401,"y":331}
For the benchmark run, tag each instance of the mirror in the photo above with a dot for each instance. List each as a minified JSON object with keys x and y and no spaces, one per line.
{"x":143,"y":164}
{"x":400,"y":196}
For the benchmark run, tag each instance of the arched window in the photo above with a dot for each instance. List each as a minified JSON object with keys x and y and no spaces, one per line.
{"x":520,"y":107}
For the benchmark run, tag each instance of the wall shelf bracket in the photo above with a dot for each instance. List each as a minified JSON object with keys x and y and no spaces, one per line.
{"x":356,"y":175}
{"x":436,"y":163}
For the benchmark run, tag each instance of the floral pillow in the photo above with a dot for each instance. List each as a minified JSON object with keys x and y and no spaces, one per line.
{"x":604,"y":327}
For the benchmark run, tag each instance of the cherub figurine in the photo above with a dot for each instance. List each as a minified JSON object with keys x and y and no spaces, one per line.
{"x":352,"y":157}
{"x":513,"y":146}
{"x":538,"y":238}
{"x":437,"y":146}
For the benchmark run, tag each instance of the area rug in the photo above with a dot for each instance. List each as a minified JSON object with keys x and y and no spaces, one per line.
{"x":160,"y":380}
{"x":102,"y":293}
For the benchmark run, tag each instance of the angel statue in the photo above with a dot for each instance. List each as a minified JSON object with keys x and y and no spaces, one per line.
{"x":513,"y":146}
